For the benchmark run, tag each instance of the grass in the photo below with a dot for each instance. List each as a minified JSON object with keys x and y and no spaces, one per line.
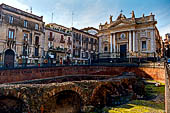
{"x":139,"y":106}
{"x":153,"y":103}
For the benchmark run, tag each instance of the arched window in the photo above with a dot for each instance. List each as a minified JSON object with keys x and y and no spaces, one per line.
{"x":105,"y":48}
{"x":36,"y":40}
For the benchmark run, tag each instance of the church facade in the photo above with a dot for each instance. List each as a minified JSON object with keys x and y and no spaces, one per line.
{"x":129,"y":37}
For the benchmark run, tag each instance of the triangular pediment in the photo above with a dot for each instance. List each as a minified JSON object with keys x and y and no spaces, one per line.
{"x":120,"y":23}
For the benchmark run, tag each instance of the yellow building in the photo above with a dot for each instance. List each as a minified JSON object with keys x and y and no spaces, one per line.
{"x":85,"y":47}
{"x":58,"y":44}
{"x":129,"y":37}
{"x":21,"y":37}
{"x":167,"y":45}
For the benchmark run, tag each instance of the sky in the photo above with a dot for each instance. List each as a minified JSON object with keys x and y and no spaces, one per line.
{"x":90,"y":13}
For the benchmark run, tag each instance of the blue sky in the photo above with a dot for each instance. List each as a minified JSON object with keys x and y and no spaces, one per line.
{"x":93,"y":12}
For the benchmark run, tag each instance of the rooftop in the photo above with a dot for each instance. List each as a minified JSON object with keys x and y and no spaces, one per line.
{"x":20,"y":12}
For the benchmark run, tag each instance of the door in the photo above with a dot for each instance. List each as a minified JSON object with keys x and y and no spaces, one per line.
{"x":123,"y":51}
{"x":9,"y":58}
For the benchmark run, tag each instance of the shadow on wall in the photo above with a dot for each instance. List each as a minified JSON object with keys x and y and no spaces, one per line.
{"x":41,"y":73}
{"x":64,"y":102}
{"x":11,"y":105}
{"x":157,"y":74}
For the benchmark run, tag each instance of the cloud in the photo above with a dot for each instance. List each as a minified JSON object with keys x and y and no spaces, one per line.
{"x":164,"y":30}
{"x":89,"y":12}
{"x":94,"y":13}
{"x":16,"y":4}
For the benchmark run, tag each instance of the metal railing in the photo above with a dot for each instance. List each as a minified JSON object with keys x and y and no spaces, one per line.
{"x":119,"y":64}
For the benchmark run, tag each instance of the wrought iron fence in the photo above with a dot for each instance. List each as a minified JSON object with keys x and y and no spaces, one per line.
{"x":114,"y":64}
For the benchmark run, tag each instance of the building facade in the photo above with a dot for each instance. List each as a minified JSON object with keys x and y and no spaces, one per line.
{"x":167,"y":45}
{"x":91,"y":30}
{"x":129,"y":37}
{"x":21,"y":37}
{"x":85,"y":47}
{"x":58,"y":41}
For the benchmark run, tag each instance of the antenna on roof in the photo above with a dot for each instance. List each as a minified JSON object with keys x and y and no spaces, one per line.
{"x":31,"y":9}
{"x":72,"y":18}
{"x":52,"y":18}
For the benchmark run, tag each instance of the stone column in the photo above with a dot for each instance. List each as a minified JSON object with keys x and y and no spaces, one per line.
{"x":130,"y":41}
{"x":136,"y":43}
{"x":114,"y":43}
{"x":100,"y":44}
{"x":81,"y":45}
{"x":111,"y":37}
{"x":152,"y":41}
{"x":134,"y":40}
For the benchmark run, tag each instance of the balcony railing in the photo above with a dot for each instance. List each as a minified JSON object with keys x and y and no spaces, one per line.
{"x":62,"y":41}
{"x":50,"y":38}
{"x":69,"y":42}
{"x":109,"y":55}
{"x":58,"y":49}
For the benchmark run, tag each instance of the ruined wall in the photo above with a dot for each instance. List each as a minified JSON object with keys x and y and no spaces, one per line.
{"x":7,"y":76}
{"x":68,"y":96}
{"x":167,"y":91}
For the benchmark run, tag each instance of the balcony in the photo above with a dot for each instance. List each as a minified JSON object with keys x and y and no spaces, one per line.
{"x":25,"y":42}
{"x":10,"y":42}
{"x":63,"y":50}
{"x":62,"y":40}
{"x":69,"y":42}
{"x":50,"y":38}
{"x":58,"y":49}
{"x":109,"y":55}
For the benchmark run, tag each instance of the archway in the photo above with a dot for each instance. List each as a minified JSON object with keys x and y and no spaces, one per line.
{"x":11,"y":105}
{"x":102,"y":95}
{"x":64,"y":102}
{"x":9,"y":58}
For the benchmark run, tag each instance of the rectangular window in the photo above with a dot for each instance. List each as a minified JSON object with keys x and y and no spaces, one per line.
{"x":50,"y":44}
{"x":11,"y":19}
{"x":51,"y":34}
{"x":62,"y":39}
{"x":149,"y":34}
{"x":36,"y":51}
{"x":36,"y":27}
{"x":25,"y":23}
{"x":73,"y":52}
{"x":77,"y":53}
{"x":0,"y":15}
{"x":36,"y":40}
{"x":30,"y":39}
{"x":29,"y":51}
{"x":143,"y":45}
{"x":86,"y":54}
{"x":25,"y":37}
{"x":25,"y":50}
{"x":11,"y":34}
{"x":69,"y":38}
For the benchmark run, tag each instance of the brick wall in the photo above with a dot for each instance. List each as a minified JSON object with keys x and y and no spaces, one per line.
{"x":15,"y":75}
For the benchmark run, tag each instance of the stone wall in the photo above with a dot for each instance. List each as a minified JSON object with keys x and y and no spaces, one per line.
{"x":69,"y":96}
{"x":7,"y":76}
{"x":167,"y":91}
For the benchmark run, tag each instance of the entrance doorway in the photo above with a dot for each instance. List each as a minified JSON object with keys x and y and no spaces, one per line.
{"x":123,"y":51}
{"x":9,"y":58}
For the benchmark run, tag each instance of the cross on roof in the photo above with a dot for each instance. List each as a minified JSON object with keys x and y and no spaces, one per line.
{"x":121,"y":11}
